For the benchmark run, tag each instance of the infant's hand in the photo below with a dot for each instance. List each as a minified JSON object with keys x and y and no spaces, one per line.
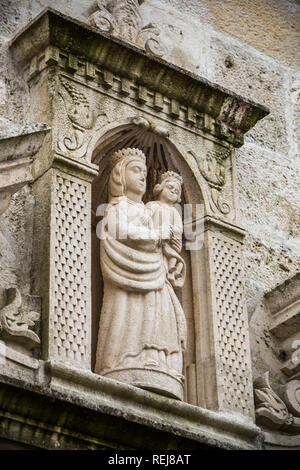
{"x":176,"y":243}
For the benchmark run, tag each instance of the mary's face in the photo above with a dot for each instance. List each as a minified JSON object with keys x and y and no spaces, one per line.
{"x":135,"y":177}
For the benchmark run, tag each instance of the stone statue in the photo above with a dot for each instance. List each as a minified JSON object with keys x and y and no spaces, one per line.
{"x":142,"y":330}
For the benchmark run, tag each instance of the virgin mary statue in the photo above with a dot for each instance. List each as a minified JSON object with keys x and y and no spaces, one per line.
{"x":142,"y":330}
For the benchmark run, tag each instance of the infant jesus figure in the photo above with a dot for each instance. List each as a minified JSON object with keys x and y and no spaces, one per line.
{"x":167,"y":219}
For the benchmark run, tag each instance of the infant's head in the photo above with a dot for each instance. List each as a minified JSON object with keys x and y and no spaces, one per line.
{"x":169,"y":188}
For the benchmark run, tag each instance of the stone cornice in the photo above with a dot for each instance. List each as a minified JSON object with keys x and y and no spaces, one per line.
{"x":91,"y":393}
{"x":52,"y":29}
{"x":18,"y":146}
{"x":21,"y":141}
{"x":221,"y":226}
{"x":284,"y":295}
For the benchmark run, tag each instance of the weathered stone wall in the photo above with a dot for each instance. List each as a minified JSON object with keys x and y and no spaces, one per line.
{"x":249,"y":48}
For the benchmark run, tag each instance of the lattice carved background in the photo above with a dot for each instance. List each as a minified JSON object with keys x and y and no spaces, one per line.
{"x":234,"y":362}
{"x":71,"y":335}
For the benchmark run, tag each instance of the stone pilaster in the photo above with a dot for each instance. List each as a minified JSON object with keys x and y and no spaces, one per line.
{"x":233,"y":359}
{"x":222,"y":335}
{"x":62,"y":267}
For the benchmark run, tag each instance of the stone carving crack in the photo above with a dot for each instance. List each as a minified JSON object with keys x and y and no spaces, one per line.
{"x":122,"y":18}
{"x":15,"y":323}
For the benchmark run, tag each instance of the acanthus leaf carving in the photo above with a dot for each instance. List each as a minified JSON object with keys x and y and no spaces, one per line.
{"x":213,"y":170}
{"x":270,"y":410}
{"x":82,"y":118}
{"x":122,"y":18}
{"x":148,"y":37}
{"x":292,"y":396}
{"x":15,"y":323}
{"x":103,"y":19}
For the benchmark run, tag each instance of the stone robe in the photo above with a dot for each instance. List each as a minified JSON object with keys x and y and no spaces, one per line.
{"x":142,"y":323}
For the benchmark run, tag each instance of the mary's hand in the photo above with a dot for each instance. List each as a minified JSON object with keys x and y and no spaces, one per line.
{"x":165,"y":232}
{"x":146,"y":218}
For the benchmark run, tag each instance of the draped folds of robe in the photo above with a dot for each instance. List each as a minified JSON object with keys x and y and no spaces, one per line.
{"x":141,"y":318}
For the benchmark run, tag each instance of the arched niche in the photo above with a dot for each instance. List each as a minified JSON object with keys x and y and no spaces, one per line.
{"x":162,"y":155}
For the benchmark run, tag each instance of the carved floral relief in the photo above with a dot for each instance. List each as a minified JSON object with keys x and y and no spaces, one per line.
{"x":212,"y":167}
{"x":82,"y":118}
{"x":16,"y":322}
{"x":122,"y":18}
{"x":292,"y":396}
{"x":270,"y":410}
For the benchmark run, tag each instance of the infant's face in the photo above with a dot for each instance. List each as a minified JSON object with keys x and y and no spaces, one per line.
{"x":170,"y":192}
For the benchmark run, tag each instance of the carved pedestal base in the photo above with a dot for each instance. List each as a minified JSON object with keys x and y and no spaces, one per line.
{"x":150,"y":379}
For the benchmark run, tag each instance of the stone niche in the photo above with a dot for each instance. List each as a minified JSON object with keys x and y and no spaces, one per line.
{"x":100,"y":94}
